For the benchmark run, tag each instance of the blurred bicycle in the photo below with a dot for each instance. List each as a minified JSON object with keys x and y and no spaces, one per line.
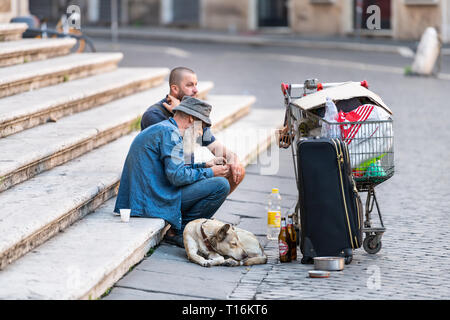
{"x":38,"y":28}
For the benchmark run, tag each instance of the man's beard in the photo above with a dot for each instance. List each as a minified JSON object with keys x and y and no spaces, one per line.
{"x":182,"y":95}
{"x":192,"y":138}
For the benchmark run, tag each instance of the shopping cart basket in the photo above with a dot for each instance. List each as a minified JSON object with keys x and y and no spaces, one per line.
{"x":371,"y":153}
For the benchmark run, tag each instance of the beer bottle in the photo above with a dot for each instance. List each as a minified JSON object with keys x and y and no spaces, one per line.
{"x":283,"y":242}
{"x":292,"y":238}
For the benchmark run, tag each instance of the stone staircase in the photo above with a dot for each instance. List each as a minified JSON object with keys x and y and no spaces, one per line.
{"x":12,"y":31}
{"x":66,"y":124}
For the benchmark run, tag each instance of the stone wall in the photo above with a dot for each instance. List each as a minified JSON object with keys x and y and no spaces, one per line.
{"x":317,"y":19}
{"x":5,"y":6}
{"x":143,"y":12}
{"x":12,"y":8}
{"x":411,"y":21}
{"x":230,"y":15}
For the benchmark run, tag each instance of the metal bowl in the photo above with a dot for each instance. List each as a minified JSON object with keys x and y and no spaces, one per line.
{"x":329,"y":263}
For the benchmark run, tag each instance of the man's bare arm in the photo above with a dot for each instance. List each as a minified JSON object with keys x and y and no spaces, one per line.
{"x":219,"y":150}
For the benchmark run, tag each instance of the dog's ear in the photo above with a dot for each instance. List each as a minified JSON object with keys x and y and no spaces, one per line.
{"x":222,"y":233}
{"x":213,"y":241}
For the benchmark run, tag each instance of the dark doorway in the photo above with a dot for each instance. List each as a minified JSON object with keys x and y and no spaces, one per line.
{"x":43,"y":9}
{"x":105,"y":11}
{"x":186,"y":12}
{"x":385,"y":13}
{"x":272,"y":13}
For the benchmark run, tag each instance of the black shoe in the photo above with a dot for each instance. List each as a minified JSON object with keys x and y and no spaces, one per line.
{"x":176,"y":240}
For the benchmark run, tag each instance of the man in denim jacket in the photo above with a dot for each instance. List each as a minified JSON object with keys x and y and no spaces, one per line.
{"x":157,"y":183}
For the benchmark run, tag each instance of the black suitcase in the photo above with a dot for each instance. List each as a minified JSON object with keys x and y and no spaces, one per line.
{"x":330,"y":207}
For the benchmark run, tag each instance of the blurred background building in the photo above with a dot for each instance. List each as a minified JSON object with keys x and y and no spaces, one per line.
{"x":400,"y":19}
{"x":10,"y":9}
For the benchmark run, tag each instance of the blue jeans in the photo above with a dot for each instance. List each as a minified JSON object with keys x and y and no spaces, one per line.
{"x":202,"y":199}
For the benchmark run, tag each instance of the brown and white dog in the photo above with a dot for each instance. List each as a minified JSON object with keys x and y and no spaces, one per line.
{"x":210,"y":242}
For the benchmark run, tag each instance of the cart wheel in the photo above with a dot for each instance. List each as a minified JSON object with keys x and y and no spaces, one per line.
{"x":348,"y":260}
{"x":348,"y":256}
{"x":370,"y":245}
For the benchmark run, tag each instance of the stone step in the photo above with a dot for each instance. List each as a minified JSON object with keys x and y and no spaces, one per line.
{"x":29,"y":109}
{"x":95,"y":252}
{"x":28,"y":50}
{"x":12,"y":31}
{"x":55,"y":143}
{"x":35,"y":210}
{"x":34,"y":75}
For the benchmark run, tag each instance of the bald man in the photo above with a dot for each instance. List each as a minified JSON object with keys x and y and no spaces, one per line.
{"x":183,"y":82}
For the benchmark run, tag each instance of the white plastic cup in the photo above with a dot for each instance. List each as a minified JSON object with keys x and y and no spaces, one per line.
{"x":125,"y":215}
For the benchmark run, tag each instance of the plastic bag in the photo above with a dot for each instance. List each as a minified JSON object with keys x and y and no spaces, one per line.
{"x":331,"y":115}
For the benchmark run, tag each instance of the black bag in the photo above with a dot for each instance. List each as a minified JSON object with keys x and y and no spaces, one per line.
{"x":330,"y":207}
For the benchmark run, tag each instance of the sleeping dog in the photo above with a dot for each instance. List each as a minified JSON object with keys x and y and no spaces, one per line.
{"x":210,"y":242}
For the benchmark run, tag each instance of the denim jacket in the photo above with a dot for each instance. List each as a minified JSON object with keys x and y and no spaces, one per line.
{"x":154,"y":172}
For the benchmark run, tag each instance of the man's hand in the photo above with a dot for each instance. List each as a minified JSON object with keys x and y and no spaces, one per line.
{"x":236,"y":171}
{"x":233,"y":162}
{"x":172,"y":102}
{"x":216,"y":161}
{"x":221,"y":171}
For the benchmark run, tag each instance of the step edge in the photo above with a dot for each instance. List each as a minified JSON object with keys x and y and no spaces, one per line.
{"x":49,"y":230}
{"x":91,"y":60}
{"x":56,"y":78}
{"x":108,"y":94}
{"x":115,"y":273}
{"x":34,"y":48}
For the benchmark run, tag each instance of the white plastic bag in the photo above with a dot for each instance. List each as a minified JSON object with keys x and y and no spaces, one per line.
{"x":331,"y":115}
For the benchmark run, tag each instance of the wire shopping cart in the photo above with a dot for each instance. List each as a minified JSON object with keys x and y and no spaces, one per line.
{"x":371,"y":151}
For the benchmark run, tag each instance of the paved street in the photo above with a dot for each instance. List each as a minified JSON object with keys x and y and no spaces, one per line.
{"x":414,"y":260}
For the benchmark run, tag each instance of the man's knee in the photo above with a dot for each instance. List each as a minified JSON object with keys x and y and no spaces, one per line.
{"x":222,"y":185}
{"x":233,"y":184}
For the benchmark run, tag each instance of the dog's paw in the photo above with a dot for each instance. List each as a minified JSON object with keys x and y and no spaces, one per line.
{"x":230,"y":263}
{"x":206,"y":263}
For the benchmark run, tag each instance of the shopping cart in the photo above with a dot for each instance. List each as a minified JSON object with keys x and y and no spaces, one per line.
{"x":371,"y":154}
